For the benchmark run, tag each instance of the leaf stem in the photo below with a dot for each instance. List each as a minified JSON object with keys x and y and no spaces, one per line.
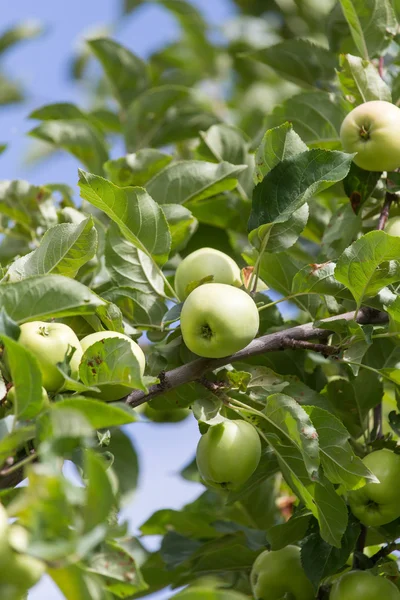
{"x":18,"y":465}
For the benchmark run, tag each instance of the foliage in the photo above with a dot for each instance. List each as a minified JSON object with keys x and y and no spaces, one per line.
{"x":230,"y":144}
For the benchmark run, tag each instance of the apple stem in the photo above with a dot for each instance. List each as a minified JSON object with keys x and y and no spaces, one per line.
{"x":359,"y":549}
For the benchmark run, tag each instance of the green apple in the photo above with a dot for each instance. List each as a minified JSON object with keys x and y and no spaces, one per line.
{"x":228,"y":454}
{"x":202,"y":263}
{"x":166,"y":415}
{"x":45,"y":398}
{"x":218,"y":320}
{"x":22,"y":571}
{"x":373,"y":131}
{"x":279,"y":574}
{"x":393,"y":226}
{"x":5,"y":549}
{"x":50,"y":342}
{"x":363,"y":586}
{"x":376,"y":504}
{"x":113,"y":392}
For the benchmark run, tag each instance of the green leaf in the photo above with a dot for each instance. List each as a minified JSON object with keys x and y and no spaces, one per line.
{"x":341,"y":231}
{"x":127,"y":73}
{"x":277,"y":144}
{"x":164,"y":115}
{"x":12,"y":436}
{"x":320,"y":559}
{"x":78,"y":137}
{"x":26,"y":377}
{"x":290,"y":532}
{"x":111,"y":362}
{"x":280,"y":236}
{"x":98,"y":505}
{"x":46,"y":296}
{"x":24,"y":30}
{"x":76,"y":584}
{"x":26,"y":204}
{"x":293,"y":182}
{"x":118,"y":567}
{"x":125,"y":465}
{"x":182,"y":225}
{"x":140,"y":219}
{"x":370,"y":35}
{"x":63,"y":250}
{"x":315,"y":116}
{"x":299,"y":61}
{"x":359,"y":80}
{"x":339,"y":462}
{"x":138,"y":168}
{"x":100,"y":415}
{"x":59,"y":111}
{"x":294,"y":424}
{"x":140,"y":308}
{"x":192,"y":180}
{"x":370,"y":264}
{"x":129,"y":266}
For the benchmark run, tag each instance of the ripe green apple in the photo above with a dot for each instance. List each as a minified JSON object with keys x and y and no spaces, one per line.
{"x":45,"y":398}
{"x":228,"y":454}
{"x":279,"y":574}
{"x":218,"y":320}
{"x":376,"y":504}
{"x":365,"y":586}
{"x":393,"y":226}
{"x":373,"y":131}
{"x":50,"y":342}
{"x":113,"y":392}
{"x":204,"y":263}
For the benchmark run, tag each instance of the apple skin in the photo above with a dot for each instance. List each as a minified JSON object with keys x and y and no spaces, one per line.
{"x":393,"y":226}
{"x":49,"y":342}
{"x":363,"y":585}
{"x":279,"y":572}
{"x":376,"y":504}
{"x":228,"y":454}
{"x":113,"y":392}
{"x":218,"y":320}
{"x":373,"y":131}
{"x":203,"y":263}
{"x":166,"y":415}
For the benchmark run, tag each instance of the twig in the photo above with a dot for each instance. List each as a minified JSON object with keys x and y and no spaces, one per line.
{"x":360,"y":546}
{"x":381,"y":66}
{"x":385,"y":211}
{"x":267,"y":343}
{"x":303,"y":345}
{"x":17,"y":466}
{"x":385,"y":551}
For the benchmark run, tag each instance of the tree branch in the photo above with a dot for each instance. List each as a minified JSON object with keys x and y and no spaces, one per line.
{"x":267,"y":343}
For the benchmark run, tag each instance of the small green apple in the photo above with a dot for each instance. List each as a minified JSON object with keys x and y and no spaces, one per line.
{"x":202,"y":263}
{"x":393,"y":226}
{"x":373,"y":131}
{"x":113,"y":392}
{"x":228,"y":454}
{"x":279,"y":574}
{"x":166,"y":415}
{"x":218,"y":320}
{"x":363,"y":586}
{"x":50,"y":342}
{"x":376,"y":504}
{"x":22,"y":571}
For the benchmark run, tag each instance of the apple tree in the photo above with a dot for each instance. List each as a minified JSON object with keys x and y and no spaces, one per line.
{"x":239,"y":265}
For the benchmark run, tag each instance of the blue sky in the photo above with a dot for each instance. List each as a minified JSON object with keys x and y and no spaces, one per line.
{"x":42,"y":65}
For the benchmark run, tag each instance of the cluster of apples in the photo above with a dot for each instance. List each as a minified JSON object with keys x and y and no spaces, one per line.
{"x":18,"y":571}
{"x":50,"y":342}
{"x":217,"y":318}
